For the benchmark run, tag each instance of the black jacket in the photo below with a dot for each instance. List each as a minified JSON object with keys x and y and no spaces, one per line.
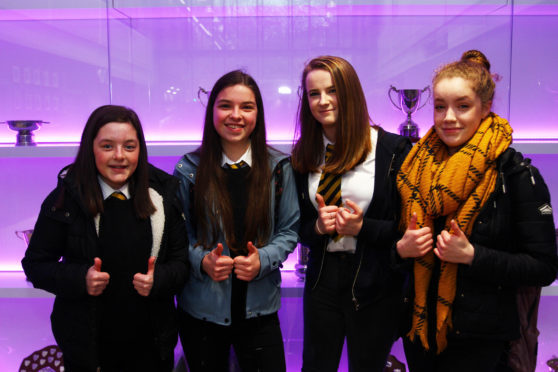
{"x":515,"y":245}
{"x":375,"y":275}
{"x":62,"y":248}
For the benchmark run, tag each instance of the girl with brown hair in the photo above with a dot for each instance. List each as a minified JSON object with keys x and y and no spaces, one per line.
{"x":239,"y":199}
{"x":478,"y":224}
{"x":345,"y":175}
{"x":110,"y":243}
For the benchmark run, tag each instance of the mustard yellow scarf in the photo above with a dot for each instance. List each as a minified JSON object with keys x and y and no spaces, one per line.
{"x":434,"y":184}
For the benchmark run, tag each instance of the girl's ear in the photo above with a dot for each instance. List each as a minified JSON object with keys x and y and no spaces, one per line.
{"x":486,"y":109}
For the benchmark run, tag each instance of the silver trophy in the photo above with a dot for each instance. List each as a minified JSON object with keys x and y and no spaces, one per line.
{"x":409,"y":102}
{"x":24,"y":130}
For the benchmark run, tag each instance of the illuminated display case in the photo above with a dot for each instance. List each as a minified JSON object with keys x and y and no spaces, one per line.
{"x":60,"y":59}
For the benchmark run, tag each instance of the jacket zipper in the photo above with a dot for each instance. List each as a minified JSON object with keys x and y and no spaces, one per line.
{"x":321,"y":265}
{"x":503,"y":182}
{"x":390,"y":169}
{"x":355,"y":300}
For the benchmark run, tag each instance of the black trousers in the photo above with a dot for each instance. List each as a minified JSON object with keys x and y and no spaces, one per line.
{"x":257,"y":343}
{"x":460,"y":355}
{"x":330,"y":316}
{"x":126,"y":362}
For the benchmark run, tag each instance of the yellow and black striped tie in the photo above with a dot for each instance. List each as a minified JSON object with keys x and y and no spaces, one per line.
{"x":240,"y":164}
{"x":330,"y":187}
{"x":118,"y":195}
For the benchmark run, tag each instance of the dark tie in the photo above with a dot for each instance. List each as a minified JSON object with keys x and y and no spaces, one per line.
{"x":330,"y":187}
{"x":240,"y":164}
{"x":118,"y":195}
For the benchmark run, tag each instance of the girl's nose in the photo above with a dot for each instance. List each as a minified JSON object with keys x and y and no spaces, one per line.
{"x":323,"y":99}
{"x":235,"y":113}
{"x":118,"y":152}
{"x":450,"y":115}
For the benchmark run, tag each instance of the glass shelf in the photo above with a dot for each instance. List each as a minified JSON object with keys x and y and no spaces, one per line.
{"x":154,"y":149}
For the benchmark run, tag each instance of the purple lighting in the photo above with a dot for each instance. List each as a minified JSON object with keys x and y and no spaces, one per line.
{"x":61,"y":62}
{"x":64,"y":62}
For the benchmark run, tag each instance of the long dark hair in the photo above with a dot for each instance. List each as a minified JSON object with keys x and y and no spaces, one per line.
{"x":84,"y":171}
{"x":212,"y":204}
{"x":352,"y":141}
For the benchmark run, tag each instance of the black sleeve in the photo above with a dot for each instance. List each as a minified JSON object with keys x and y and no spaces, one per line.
{"x":308,"y":214}
{"x":535,"y":261}
{"x":172,"y":267}
{"x":385,"y":232}
{"x":50,"y":263}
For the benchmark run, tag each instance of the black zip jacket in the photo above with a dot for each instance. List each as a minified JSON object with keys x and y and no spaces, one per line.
{"x":515,"y":245}
{"x":375,"y":272}
{"x":62,"y":248}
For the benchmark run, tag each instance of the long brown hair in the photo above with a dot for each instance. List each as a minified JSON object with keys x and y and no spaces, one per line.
{"x":212,"y":204}
{"x":84,"y":171}
{"x":352,"y":139}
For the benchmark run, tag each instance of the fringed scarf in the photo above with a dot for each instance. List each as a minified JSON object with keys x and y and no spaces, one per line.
{"x":434,"y":184}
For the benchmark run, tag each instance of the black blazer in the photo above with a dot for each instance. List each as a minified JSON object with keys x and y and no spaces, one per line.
{"x":375,"y":273}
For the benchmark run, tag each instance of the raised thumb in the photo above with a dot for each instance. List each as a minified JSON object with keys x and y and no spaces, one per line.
{"x":320,"y":201}
{"x":454,"y":228}
{"x":97,"y":264}
{"x":413,"y":221}
{"x":151,"y":265}
{"x":251,"y":248}
{"x":219,"y":250}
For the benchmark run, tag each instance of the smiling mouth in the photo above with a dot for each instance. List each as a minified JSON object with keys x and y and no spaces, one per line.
{"x":234,"y":126}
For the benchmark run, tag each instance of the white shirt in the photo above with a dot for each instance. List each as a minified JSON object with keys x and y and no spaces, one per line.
{"x":107,"y":190}
{"x":357,"y":185}
{"x":247,"y":157}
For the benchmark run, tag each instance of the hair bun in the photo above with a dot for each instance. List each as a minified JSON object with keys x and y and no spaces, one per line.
{"x":476,"y":56}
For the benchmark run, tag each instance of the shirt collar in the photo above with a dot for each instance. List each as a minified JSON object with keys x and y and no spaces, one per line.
{"x":247,"y":157}
{"x":107,"y":190}
{"x":326,"y":141}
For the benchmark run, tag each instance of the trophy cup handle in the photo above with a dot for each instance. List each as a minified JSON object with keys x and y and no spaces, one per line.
{"x":392,"y":88}
{"x":19,"y":234}
{"x":427,"y":88}
{"x":201,"y":92}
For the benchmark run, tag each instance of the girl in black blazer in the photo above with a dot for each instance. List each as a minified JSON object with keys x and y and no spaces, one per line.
{"x":345,"y":173}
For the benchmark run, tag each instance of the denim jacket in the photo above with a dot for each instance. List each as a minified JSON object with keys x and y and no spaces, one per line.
{"x":208,"y":300}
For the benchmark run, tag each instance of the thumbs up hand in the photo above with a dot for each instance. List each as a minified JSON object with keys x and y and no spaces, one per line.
{"x":247,"y":267}
{"x":144,"y":282}
{"x":415,"y":242}
{"x":217,"y":266}
{"x":325,"y":224}
{"x":349,"y":219}
{"x":95,"y":280}
{"x":454,"y":246}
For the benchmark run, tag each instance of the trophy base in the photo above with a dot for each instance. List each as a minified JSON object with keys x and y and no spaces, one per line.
{"x":24,"y":129}
{"x":300,"y":272}
{"x":302,"y":259}
{"x":409,"y":129}
{"x":25,"y":138}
